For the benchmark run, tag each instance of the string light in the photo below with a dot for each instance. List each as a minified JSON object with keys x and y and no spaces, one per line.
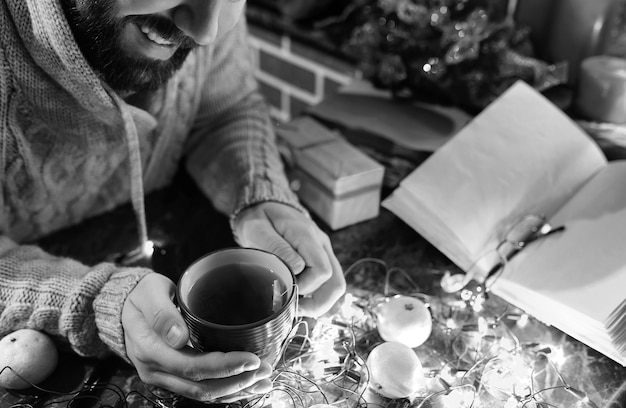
{"x":498,"y":363}
{"x":148,"y":248}
{"x":557,"y":356}
{"x":140,"y":255}
{"x":473,"y":358}
{"x":461,"y":397}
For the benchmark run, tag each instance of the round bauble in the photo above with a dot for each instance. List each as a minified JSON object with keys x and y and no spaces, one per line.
{"x":405,"y":320}
{"x":31,"y":354}
{"x":395,"y":370}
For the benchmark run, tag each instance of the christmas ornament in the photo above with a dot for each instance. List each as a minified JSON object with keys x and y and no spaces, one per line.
{"x":395,"y":370}
{"x":457,"y":52}
{"x":405,"y":320}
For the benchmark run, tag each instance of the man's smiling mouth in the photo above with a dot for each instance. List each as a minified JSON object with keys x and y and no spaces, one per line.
{"x":154,"y":36}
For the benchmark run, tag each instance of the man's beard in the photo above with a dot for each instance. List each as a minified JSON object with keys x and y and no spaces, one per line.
{"x":97,"y":31}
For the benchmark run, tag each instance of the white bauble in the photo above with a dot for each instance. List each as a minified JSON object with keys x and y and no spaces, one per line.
{"x":405,"y":320}
{"x":395,"y":370}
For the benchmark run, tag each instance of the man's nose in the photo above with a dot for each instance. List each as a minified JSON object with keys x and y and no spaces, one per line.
{"x":198,"y":19}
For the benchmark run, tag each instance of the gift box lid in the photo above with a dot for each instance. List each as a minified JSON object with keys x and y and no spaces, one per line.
{"x":340,"y":167}
{"x":329,"y":159}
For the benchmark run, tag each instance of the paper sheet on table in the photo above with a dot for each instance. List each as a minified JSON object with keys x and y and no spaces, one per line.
{"x":412,"y":125}
{"x":522,"y":155}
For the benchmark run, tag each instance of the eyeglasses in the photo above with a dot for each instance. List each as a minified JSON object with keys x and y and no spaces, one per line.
{"x":490,"y":266}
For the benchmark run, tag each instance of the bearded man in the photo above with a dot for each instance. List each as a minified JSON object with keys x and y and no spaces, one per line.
{"x":100,"y":102}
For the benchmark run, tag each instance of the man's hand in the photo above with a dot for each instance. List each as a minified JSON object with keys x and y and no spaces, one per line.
{"x":291,"y":235}
{"x":156,"y":338}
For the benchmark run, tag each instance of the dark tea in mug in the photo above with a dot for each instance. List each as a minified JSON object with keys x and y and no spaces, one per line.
{"x":237,"y":294}
{"x":239,"y":299}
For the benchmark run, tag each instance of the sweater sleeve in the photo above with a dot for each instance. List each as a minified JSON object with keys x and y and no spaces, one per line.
{"x":232,"y":152}
{"x":70,"y":301}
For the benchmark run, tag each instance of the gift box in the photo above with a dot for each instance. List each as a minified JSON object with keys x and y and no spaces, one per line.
{"x":335,"y":180}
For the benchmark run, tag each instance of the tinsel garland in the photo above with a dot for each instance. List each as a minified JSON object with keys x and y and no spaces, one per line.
{"x":461,"y":52}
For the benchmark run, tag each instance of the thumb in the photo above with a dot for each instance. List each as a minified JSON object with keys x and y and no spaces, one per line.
{"x":287,"y":253}
{"x":155,"y":301}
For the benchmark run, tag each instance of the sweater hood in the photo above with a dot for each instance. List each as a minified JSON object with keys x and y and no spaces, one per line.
{"x":40,"y":29}
{"x":45,"y":60}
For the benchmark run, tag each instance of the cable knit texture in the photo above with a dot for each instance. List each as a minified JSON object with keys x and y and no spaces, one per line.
{"x":64,"y":156}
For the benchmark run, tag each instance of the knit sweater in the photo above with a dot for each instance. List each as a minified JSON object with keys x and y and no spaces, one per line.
{"x":71,"y":148}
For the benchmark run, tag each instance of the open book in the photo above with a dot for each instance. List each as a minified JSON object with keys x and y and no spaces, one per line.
{"x":520,"y":157}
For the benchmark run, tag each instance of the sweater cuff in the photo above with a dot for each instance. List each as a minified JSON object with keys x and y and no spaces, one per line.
{"x":261,"y":191}
{"x":108,"y":307}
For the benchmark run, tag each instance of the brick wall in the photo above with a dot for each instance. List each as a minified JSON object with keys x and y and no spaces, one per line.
{"x":293,"y":75}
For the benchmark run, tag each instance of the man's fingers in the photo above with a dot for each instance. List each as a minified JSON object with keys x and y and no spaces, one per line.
{"x":308,"y":253}
{"x":281,"y":248}
{"x":326,"y":295}
{"x":264,"y":236}
{"x":190,"y":364}
{"x":305,"y":248}
{"x":261,"y":387}
{"x":311,"y":245}
{"x":233,"y":388}
{"x":163,"y":317}
{"x":156,"y":354}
